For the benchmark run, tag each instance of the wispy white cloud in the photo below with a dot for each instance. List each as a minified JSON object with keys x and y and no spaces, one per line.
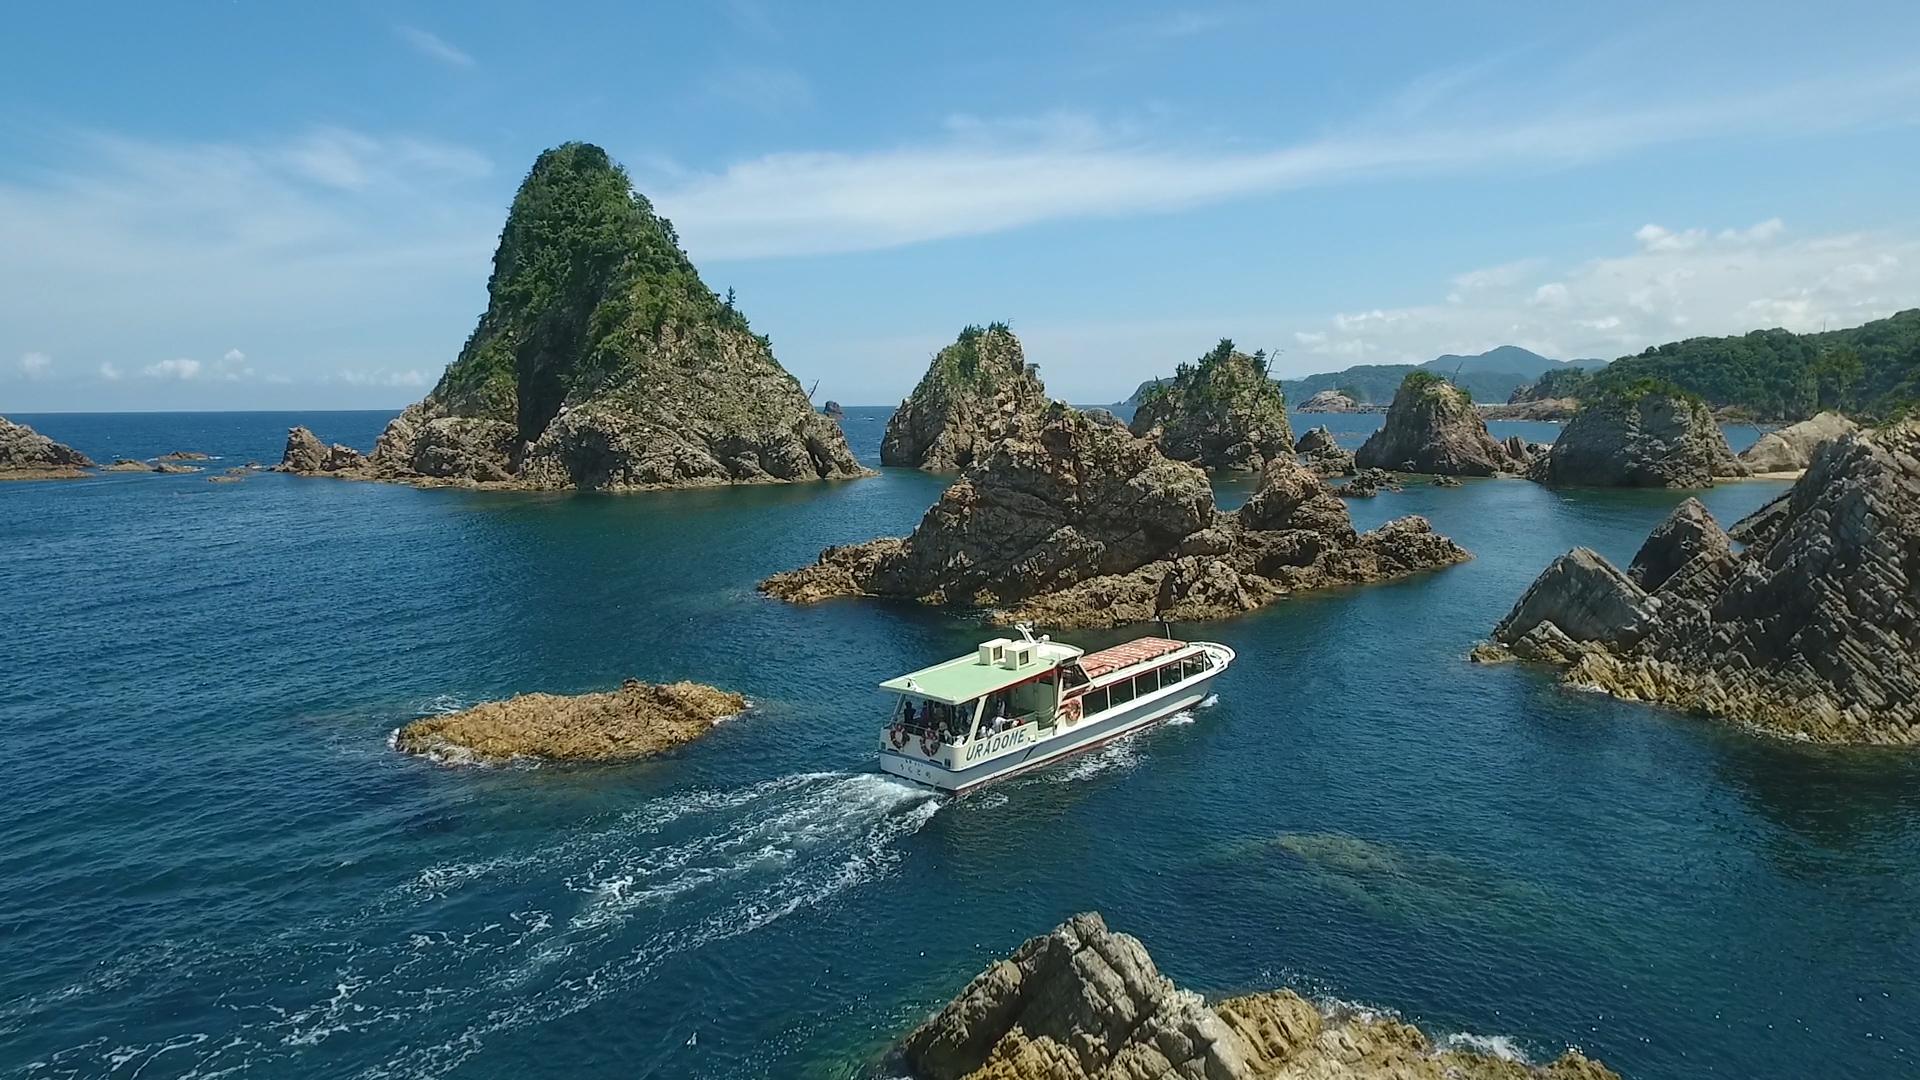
{"x":983,"y":178}
{"x":109,"y":372}
{"x":179,"y":368}
{"x":35,"y":364}
{"x":433,"y":46}
{"x":411,"y":377}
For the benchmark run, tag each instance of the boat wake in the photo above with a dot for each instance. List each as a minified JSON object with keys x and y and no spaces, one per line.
{"x":426,"y":975}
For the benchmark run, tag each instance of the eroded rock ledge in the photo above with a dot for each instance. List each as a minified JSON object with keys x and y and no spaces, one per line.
{"x":25,"y":454}
{"x":1085,"y":1003}
{"x":1070,"y":522}
{"x":1812,"y":632}
{"x":636,"y":721}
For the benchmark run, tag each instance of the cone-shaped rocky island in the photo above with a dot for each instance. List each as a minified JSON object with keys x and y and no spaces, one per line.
{"x":1085,"y":1003}
{"x":602,"y":361}
{"x":972,"y":391}
{"x":1432,"y":427}
{"x":1073,"y":522}
{"x":1812,"y":631}
{"x":1639,"y":434}
{"x":1219,"y":412}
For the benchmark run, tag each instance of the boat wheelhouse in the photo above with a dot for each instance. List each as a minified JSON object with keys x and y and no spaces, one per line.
{"x":1017,"y":704}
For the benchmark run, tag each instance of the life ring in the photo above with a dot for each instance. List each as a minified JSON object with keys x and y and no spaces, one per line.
{"x":897,"y":735}
{"x":929,"y":743}
{"x":1071,"y":711}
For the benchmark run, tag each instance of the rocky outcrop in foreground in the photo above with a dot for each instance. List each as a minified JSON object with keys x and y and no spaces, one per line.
{"x":1069,"y":522}
{"x":1639,"y":438}
{"x":25,"y":454}
{"x":1085,"y":1003}
{"x":1791,"y":448}
{"x":602,"y":362}
{"x":973,"y":389}
{"x":1812,"y":632}
{"x":636,"y":721}
{"x":1220,"y":412}
{"x":1432,"y":427}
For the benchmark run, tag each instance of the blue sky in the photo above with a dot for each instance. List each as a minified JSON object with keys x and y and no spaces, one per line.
{"x":287,"y":206}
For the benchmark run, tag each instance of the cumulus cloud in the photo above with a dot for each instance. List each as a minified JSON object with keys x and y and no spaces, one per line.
{"x":179,"y":368}
{"x":433,"y":46}
{"x":1672,"y":283}
{"x":410,"y":377}
{"x":35,"y":364}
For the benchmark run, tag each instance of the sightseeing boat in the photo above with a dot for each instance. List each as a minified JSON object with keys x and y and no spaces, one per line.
{"x":1014,"y":705}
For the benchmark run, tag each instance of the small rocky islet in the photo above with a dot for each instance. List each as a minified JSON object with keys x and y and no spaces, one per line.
{"x":25,"y":454}
{"x":1220,"y":412}
{"x":638,"y":720}
{"x":602,"y":362}
{"x":1085,"y":1003}
{"x":973,"y":390}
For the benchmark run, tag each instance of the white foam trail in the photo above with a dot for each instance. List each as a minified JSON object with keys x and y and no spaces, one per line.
{"x":1500,"y":1046}
{"x":1122,"y":753}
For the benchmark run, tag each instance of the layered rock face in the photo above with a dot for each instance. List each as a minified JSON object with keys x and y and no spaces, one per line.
{"x":972,"y":391}
{"x":1432,"y":427}
{"x":1811,"y":632}
{"x":1321,"y":454}
{"x":603,"y":362}
{"x":1645,"y":439}
{"x":1073,"y":523}
{"x":638,"y":720}
{"x":1085,"y":1003}
{"x":25,"y":454}
{"x":1220,"y":412}
{"x":1791,"y":448}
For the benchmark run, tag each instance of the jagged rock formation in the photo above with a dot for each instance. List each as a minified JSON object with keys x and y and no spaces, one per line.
{"x":638,"y":720}
{"x":25,"y":454}
{"x":1432,"y":427}
{"x":1085,"y":1003}
{"x":603,"y":362}
{"x":1072,"y":523}
{"x":1640,"y":437}
{"x":1329,"y":401}
{"x":972,"y":391}
{"x":1811,"y":632}
{"x":832,"y":410}
{"x":1523,"y":452}
{"x":307,"y":455}
{"x":1322,"y":455}
{"x":1791,"y":448}
{"x":1221,"y":412}
{"x":1314,"y":439}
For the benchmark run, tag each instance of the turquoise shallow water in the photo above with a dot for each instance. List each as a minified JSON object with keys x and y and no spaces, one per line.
{"x":213,"y":864}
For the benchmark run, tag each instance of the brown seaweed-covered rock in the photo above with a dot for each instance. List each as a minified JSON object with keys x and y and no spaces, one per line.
{"x":972,"y":391}
{"x":1220,"y":412}
{"x":1432,"y":427}
{"x":25,"y":454}
{"x":1085,"y":1003}
{"x":603,"y":362}
{"x":1639,"y":437}
{"x":1790,"y":448}
{"x":636,"y":721}
{"x":1073,"y":523}
{"x":1812,"y":632}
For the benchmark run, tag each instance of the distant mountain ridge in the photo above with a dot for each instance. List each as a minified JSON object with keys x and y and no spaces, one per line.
{"x":1489,"y":376}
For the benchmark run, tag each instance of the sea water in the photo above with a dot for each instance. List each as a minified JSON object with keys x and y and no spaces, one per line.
{"x":214,"y":865}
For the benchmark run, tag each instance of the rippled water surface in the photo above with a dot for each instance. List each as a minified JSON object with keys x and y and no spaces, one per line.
{"x":214,"y":865}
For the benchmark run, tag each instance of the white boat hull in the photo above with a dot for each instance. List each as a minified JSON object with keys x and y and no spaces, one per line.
{"x":965,"y":766}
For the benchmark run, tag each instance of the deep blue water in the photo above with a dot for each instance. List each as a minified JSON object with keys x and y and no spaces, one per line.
{"x":214,"y":865}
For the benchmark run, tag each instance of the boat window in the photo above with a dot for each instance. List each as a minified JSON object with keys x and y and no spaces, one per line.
{"x":1146,"y":682}
{"x":1122,"y":691}
{"x":1190,"y":667}
{"x":1093,"y":701}
{"x":1071,"y":677}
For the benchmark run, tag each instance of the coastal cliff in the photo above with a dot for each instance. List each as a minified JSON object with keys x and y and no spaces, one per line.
{"x":1219,"y":412}
{"x":1085,"y":1003}
{"x":603,"y":362}
{"x":1432,"y":427}
{"x":1791,"y":448}
{"x":971,"y":391}
{"x":25,"y":454}
{"x":636,"y":721}
{"x":1070,"y":522}
{"x":1811,"y":632}
{"x":1643,"y":435}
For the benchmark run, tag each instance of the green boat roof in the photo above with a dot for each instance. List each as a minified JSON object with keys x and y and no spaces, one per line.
{"x":965,"y":678}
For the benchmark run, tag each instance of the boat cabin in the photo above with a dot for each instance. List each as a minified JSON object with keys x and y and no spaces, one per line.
{"x":1003,"y":685}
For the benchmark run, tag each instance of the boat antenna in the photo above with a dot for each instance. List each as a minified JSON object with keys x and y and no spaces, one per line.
{"x":1025,"y":628}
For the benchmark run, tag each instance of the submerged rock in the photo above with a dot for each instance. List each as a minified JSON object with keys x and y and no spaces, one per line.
{"x":1811,"y":632}
{"x":602,"y":361}
{"x":1432,"y":427}
{"x":25,"y":454}
{"x":636,"y":721}
{"x":1073,"y":523}
{"x":972,"y":390}
{"x":1639,"y":437}
{"x":1220,"y":412}
{"x":1085,"y":1003}
{"x":1791,"y":448}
